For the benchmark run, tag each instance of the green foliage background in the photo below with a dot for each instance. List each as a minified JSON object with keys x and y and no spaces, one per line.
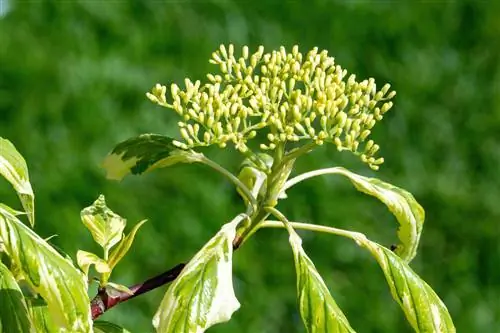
{"x":72,"y":80}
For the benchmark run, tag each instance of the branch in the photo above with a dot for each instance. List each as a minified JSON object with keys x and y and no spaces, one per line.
{"x":106,"y":298}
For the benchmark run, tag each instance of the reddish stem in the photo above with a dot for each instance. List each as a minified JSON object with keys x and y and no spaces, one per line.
{"x":108,"y":298}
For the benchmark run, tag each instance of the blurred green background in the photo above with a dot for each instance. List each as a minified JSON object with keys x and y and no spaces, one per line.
{"x":72,"y":80}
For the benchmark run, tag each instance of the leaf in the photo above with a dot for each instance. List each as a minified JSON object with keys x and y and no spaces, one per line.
{"x":320,"y":313}
{"x":202,"y":295}
{"x":107,"y":327}
{"x":40,"y":315}
{"x":105,"y":226}
{"x":55,"y":278}
{"x":121,"y":250}
{"x":13,"y":311}
{"x":116,"y":289}
{"x":13,"y":167}
{"x":145,"y":153}
{"x":402,"y":204}
{"x":85,"y":259}
{"x":423,"y":308}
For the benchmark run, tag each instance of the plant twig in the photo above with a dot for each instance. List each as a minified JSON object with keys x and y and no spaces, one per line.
{"x":106,"y":299}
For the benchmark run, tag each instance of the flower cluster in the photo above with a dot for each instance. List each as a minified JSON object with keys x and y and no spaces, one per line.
{"x":289,"y":96}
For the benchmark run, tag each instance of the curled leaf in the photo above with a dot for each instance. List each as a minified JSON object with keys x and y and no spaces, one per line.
{"x":401,"y":203}
{"x":145,"y":153}
{"x":13,"y":167}
{"x":202,"y":295}
{"x":61,"y":285}
{"x":320,"y":313}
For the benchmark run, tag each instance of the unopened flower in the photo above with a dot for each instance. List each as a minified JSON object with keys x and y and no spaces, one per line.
{"x":286,"y":96}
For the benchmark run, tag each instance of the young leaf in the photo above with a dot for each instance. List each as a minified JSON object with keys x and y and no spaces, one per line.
{"x":423,"y":308}
{"x":202,"y":295}
{"x":318,"y":309}
{"x":13,"y":311}
{"x":85,"y":259}
{"x":61,"y":285}
{"x":121,"y":250}
{"x":145,"y":153}
{"x":105,"y":226}
{"x":13,"y":167}
{"x":107,"y":327}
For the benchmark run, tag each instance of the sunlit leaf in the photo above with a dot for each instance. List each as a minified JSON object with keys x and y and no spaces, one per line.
{"x":402,"y":204}
{"x":13,"y":311}
{"x":40,"y":316}
{"x":144,"y":153}
{"x":13,"y":167}
{"x":107,"y":327}
{"x":105,"y":226}
{"x":121,"y":250}
{"x":85,"y":259}
{"x":423,"y":308}
{"x":55,"y":278}
{"x":320,"y":313}
{"x":202,"y":295}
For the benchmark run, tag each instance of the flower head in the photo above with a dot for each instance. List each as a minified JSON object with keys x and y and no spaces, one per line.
{"x":287,"y":96}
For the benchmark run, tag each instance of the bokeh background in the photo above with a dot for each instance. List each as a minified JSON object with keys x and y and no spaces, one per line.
{"x":72,"y":80}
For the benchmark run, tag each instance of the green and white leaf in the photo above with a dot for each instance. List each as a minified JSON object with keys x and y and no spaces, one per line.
{"x":105,"y":226}
{"x":60,"y":284}
{"x":86,"y":259}
{"x":401,"y":203}
{"x":107,"y":327}
{"x":320,"y":313}
{"x":40,"y":316}
{"x":423,"y":308}
{"x":14,"y":317}
{"x":13,"y":167}
{"x":145,"y":153}
{"x":202,"y":295}
{"x":121,"y":250}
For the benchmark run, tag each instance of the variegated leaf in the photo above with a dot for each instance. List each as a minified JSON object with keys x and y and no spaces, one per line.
{"x":13,"y":167}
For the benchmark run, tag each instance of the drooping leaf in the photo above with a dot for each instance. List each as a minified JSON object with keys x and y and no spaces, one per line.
{"x":85,"y":259}
{"x":145,"y":153}
{"x":121,"y":250}
{"x":13,"y":311}
{"x":320,"y":313}
{"x":105,"y":226}
{"x":40,"y":316}
{"x":423,"y":308}
{"x":107,"y":327}
{"x":202,"y":295}
{"x":402,"y":204}
{"x":55,"y":278}
{"x":13,"y":167}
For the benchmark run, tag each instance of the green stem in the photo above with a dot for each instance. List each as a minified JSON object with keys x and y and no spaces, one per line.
{"x":311,"y":174}
{"x":232,"y":178}
{"x":248,"y":230}
{"x":293,"y":154}
{"x":279,"y":215}
{"x":314,"y":227}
